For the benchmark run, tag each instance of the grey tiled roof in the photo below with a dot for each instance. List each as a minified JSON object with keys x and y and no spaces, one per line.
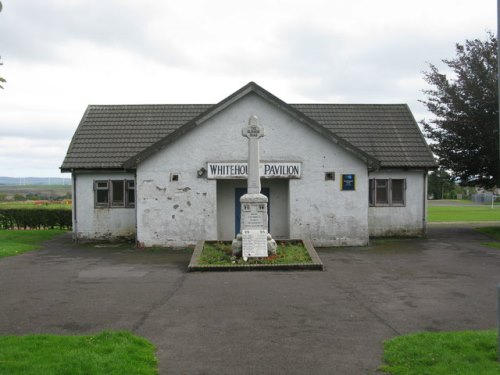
{"x":388,"y":132}
{"x":109,"y":135}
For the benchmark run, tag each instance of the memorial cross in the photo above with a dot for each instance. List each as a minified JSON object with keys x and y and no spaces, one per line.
{"x":254,"y":240}
{"x":253,"y":132}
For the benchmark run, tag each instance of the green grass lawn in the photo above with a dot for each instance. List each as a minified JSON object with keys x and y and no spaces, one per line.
{"x":446,"y":353}
{"x":220,"y":254}
{"x":14,"y":242}
{"x":462,"y":213}
{"x":107,"y":353}
{"x":493,"y":232}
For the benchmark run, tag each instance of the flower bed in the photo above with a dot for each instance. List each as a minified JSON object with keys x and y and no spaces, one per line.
{"x":291,"y":254}
{"x":220,"y":253}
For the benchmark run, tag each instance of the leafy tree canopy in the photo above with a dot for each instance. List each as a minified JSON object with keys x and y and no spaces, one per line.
{"x":440,"y":182}
{"x":465,"y":105}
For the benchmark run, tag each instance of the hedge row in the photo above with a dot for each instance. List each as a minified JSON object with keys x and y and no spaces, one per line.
{"x":34,"y":218}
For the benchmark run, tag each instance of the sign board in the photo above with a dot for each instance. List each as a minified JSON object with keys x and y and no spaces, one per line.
{"x":348,"y":182}
{"x":266,"y":169}
{"x":254,"y":243}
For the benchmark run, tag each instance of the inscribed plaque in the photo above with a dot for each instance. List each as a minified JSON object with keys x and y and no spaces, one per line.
{"x":254,"y":243}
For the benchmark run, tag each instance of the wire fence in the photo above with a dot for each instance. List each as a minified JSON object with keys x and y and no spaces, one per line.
{"x":485,"y":198}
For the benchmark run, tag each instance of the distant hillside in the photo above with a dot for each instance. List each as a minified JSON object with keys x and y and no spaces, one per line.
{"x":16,"y":181}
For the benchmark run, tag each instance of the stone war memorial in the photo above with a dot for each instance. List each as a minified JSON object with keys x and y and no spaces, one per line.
{"x":254,"y":241}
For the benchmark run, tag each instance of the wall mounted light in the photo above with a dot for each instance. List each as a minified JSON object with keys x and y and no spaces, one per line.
{"x":201,"y":172}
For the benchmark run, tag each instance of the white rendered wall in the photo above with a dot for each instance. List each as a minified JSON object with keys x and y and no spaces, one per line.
{"x":100,"y":223}
{"x":320,"y":210}
{"x":179,"y":213}
{"x":401,"y":221}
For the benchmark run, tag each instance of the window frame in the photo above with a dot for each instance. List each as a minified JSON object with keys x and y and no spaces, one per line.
{"x":98,"y":188}
{"x":128,"y":189}
{"x":387,"y":189}
{"x":120,"y":191}
{"x":128,"y":186}
{"x":372,"y":192}
{"x":403,"y":192}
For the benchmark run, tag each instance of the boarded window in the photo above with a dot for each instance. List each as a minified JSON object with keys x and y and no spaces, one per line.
{"x":381,"y":192}
{"x":387,"y":192}
{"x":118,"y":193}
{"x":398,"y":192}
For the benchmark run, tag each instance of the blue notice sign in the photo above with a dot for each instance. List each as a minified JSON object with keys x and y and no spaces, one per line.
{"x":348,"y":182}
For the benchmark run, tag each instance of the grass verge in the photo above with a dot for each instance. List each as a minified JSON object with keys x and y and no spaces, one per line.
{"x":287,"y":253}
{"x":444,"y":353}
{"x":493,"y":232}
{"x":462,"y":213}
{"x":109,"y":353}
{"x":14,"y":242}
{"x":32,"y":205}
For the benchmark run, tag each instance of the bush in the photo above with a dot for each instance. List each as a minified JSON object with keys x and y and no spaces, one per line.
{"x":34,"y":218}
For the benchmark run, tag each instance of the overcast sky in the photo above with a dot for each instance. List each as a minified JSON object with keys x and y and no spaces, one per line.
{"x":61,"y":55}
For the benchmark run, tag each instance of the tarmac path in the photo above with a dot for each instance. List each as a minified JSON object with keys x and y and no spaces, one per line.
{"x":305,"y":322}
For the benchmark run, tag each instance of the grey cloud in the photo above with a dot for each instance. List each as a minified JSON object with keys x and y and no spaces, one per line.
{"x":369,"y":72}
{"x":43,"y":130}
{"x":37,"y":29}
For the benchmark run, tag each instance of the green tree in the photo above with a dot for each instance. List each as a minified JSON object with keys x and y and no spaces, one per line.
{"x":440,"y":184}
{"x":465,"y":105}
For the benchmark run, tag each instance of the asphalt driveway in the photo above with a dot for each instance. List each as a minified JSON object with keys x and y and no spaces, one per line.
{"x":307,"y":322}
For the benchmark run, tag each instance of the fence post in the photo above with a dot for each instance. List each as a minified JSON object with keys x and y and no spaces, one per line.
{"x":498,"y":320}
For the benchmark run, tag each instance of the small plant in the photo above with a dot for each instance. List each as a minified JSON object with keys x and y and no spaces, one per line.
{"x":220,"y":253}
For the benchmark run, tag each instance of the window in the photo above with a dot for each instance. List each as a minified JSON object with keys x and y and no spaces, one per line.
{"x":398,"y":192}
{"x":130,"y":193}
{"x":386,"y":192}
{"x":329,"y":176}
{"x":117,"y":193}
{"x":114,"y":193}
{"x":101,"y":193}
{"x":381,"y":192}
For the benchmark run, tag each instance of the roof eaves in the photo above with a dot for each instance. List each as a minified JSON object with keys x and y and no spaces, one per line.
{"x":431,"y":154}
{"x":71,"y":144}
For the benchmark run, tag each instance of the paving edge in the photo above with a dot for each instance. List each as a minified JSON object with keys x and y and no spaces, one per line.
{"x":315,"y":265}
